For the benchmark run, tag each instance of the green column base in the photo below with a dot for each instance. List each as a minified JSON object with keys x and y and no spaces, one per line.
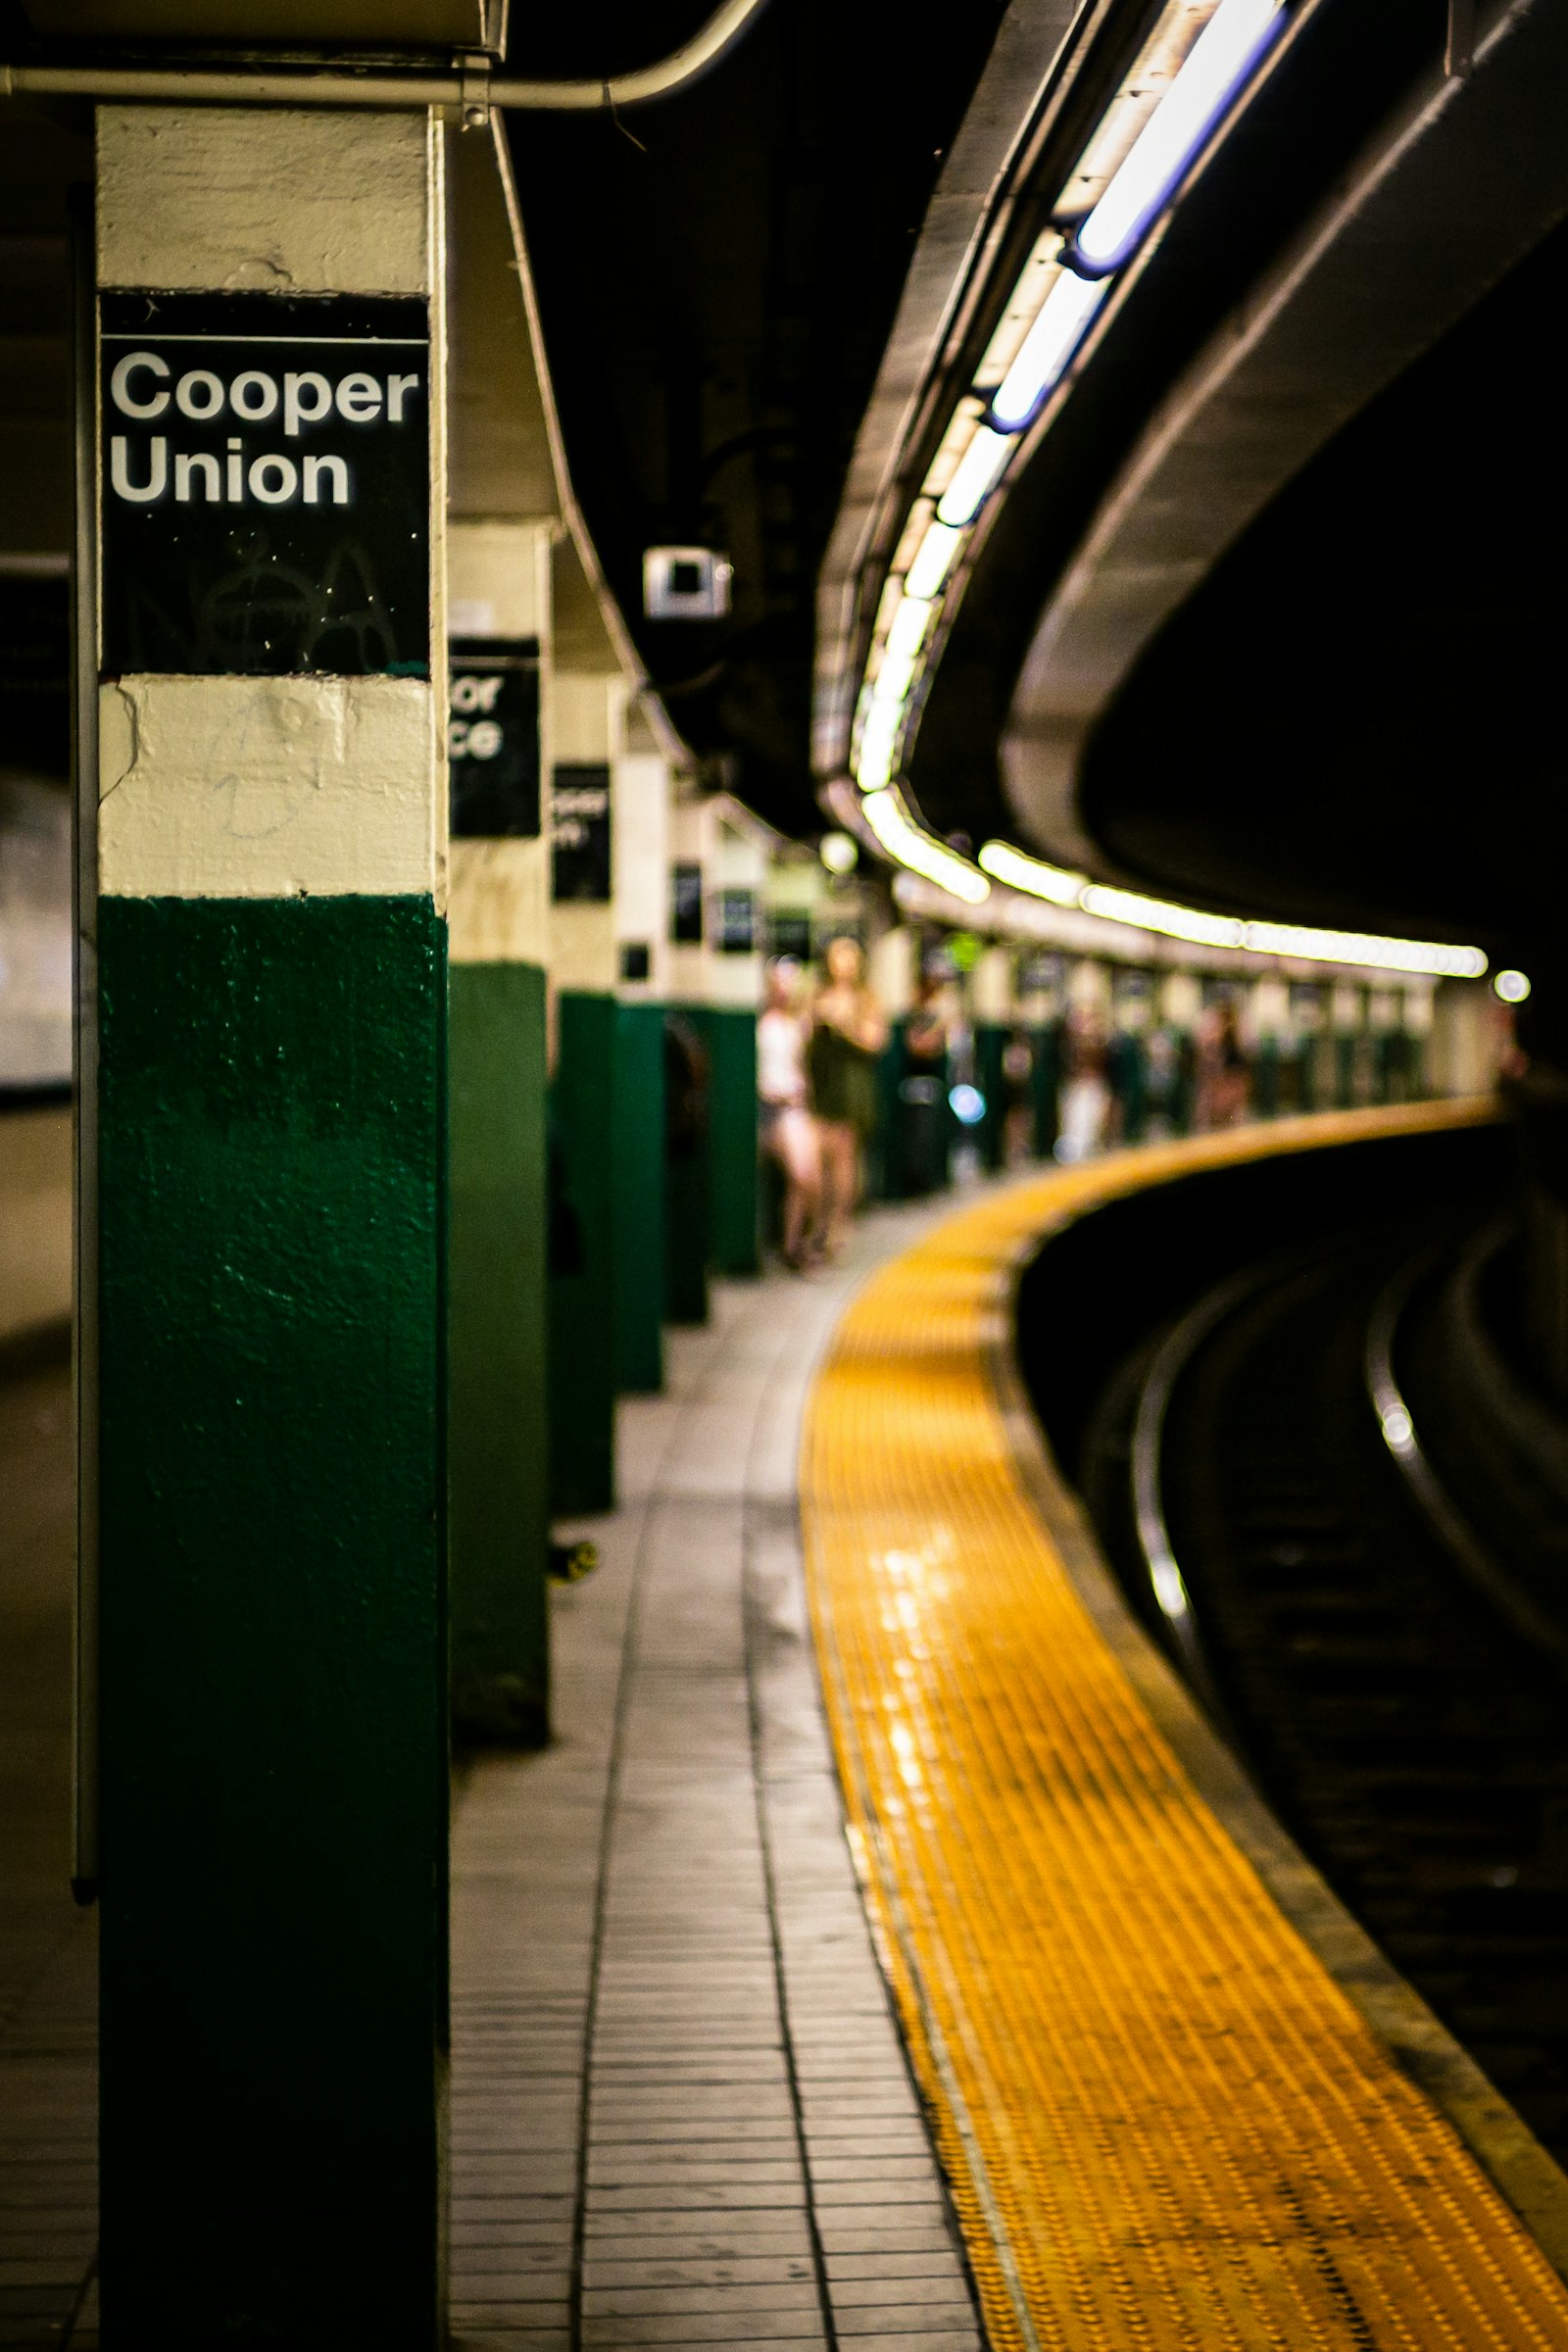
{"x":498,"y":1446}
{"x":1045,"y":1086}
{"x":989,"y":1047}
{"x":638,"y":1178}
{"x":730,"y":1035}
{"x":272,"y":1634}
{"x":582,"y":1256}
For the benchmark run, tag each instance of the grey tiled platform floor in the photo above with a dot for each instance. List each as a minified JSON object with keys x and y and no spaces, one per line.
{"x":681,"y":2115}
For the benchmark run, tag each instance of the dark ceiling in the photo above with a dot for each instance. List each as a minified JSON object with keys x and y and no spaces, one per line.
{"x":717,"y":275}
{"x":1360,"y":716}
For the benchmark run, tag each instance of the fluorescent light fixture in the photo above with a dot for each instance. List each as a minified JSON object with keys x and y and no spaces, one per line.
{"x":879,"y":740}
{"x":895,"y":677}
{"x":1223,"y":59}
{"x":933,"y":560}
{"x":911,"y":618}
{"x":1317,"y":946}
{"x":1004,"y":863}
{"x":1157,"y":915}
{"x":973,"y":476}
{"x":1511,"y":987}
{"x":1045,"y":349}
{"x":1310,"y":943}
{"x":908,"y":846}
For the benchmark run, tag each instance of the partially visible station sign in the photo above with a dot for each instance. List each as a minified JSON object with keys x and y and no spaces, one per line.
{"x":579,"y":833}
{"x":686,"y":906}
{"x":493,"y":737}
{"x":265,"y":484}
{"x":735,"y":926}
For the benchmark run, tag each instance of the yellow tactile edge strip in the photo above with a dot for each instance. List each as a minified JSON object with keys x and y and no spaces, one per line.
{"x":1164,"y":2122}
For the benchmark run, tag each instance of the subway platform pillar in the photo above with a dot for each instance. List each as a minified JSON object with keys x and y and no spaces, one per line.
{"x":718,"y":878}
{"x":499,"y":581}
{"x":640,"y":862}
{"x":270,"y":848}
{"x":586,"y":720}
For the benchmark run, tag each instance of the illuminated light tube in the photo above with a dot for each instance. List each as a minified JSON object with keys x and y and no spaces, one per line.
{"x":973,"y":476}
{"x":879,"y":739}
{"x":1316,"y":946}
{"x":910,"y":623}
{"x":1004,"y":863}
{"x":933,"y":560}
{"x":1157,"y":915}
{"x":919,"y":851}
{"x":1223,"y":59}
{"x":895,"y":677}
{"x":1046,"y":348}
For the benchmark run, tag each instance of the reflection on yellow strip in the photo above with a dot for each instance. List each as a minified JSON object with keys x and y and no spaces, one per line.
{"x":1163,"y":2122}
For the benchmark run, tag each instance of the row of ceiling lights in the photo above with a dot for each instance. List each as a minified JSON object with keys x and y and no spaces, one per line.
{"x":1197,"y":61}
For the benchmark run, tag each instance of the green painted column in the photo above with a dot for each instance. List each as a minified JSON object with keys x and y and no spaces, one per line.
{"x":499,"y":1441}
{"x":498,"y":1423}
{"x":638,"y":1178}
{"x":687,"y":1221}
{"x":989,"y":1048}
{"x":271,"y":1308}
{"x":730,"y":1035}
{"x":582,"y":1278}
{"x":1045,"y":1086}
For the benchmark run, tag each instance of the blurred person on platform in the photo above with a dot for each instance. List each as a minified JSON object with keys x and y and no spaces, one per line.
{"x":923,"y":1089}
{"x":788,"y":1130}
{"x":1086,"y":1099}
{"x":848,"y":1030}
{"x":1223,"y":1076}
{"x":1017,"y":1085}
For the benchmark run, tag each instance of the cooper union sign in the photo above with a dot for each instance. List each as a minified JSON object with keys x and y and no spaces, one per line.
{"x":265,"y":477}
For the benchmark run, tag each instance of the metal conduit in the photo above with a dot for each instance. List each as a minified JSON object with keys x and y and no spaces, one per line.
{"x":470,"y":86}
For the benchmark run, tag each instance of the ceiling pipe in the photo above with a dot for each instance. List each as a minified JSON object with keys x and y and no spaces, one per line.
{"x":470,"y":86}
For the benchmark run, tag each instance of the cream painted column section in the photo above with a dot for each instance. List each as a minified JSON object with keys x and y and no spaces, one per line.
{"x":498,"y":585}
{"x":588,"y":722}
{"x":641,"y":851}
{"x":691,"y":843}
{"x":738,"y":864}
{"x":891,"y":969}
{"x":992,"y":988}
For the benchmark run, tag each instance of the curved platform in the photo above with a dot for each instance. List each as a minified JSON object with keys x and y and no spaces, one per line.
{"x":1165,"y":2119}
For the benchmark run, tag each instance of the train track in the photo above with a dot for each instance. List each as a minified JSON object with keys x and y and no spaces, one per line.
{"x":1258,"y":1478}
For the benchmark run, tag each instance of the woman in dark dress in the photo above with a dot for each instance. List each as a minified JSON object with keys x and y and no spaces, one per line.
{"x":848,"y":1030}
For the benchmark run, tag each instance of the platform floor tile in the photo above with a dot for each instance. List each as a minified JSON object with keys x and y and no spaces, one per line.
{"x":666,"y":2003}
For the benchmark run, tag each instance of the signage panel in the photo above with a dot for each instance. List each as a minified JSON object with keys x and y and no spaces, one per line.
{"x":265,"y":481}
{"x":686,"y":906}
{"x":579,"y":833}
{"x":736,"y":922}
{"x":493,"y":737}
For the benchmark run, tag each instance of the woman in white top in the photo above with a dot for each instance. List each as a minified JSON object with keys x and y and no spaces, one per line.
{"x":788,"y":1129}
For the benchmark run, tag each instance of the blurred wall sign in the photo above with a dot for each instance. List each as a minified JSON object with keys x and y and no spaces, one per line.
{"x":579,"y":829}
{"x":493,"y":737}
{"x":789,"y":933}
{"x":265,"y":484}
{"x":736,"y":924}
{"x":686,"y":906}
